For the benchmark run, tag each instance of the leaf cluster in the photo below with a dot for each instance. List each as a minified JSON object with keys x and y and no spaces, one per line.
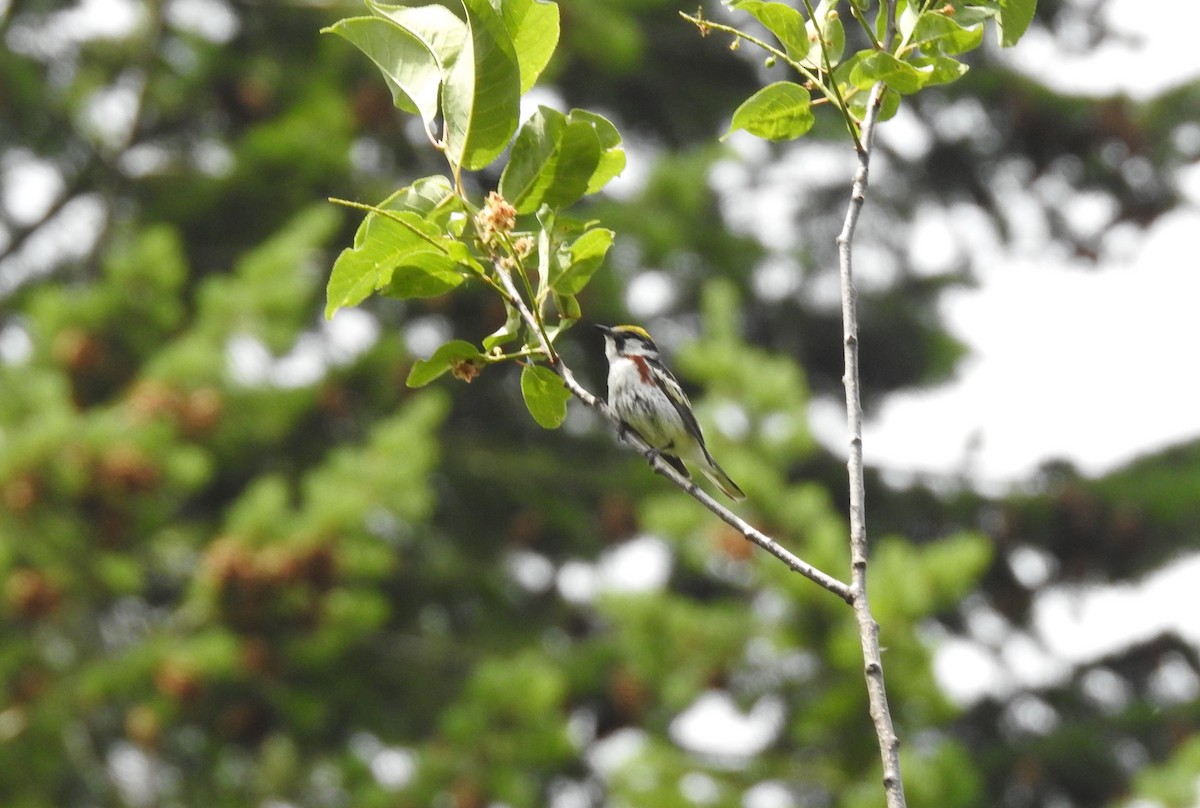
{"x":463,"y":67}
{"x":927,"y":42}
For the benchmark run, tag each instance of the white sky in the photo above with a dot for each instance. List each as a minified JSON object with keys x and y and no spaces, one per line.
{"x":1094,"y":365}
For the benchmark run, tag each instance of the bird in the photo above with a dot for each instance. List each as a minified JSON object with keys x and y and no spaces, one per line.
{"x":647,"y":399}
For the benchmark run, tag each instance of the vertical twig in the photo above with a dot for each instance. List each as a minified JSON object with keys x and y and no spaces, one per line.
{"x":868,"y":629}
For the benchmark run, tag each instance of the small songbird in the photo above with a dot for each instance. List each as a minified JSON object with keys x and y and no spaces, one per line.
{"x":648,"y":399}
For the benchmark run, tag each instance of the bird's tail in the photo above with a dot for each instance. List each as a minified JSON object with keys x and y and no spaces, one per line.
{"x":720,"y":479}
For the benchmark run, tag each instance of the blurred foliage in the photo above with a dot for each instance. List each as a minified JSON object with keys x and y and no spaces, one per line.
{"x":241,"y":564}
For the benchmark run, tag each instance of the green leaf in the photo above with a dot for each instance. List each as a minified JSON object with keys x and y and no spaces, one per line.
{"x":424,"y":273}
{"x":779,"y":111}
{"x":444,"y":358}
{"x":558,"y":158}
{"x":785,"y":22}
{"x":545,"y":395}
{"x":533,"y":27}
{"x":578,"y":158}
{"x":439,"y":27}
{"x":612,"y":152}
{"x":936,"y":32}
{"x":941,"y":69}
{"x":383,"y":245}
{"x":530,"y":169}
{"x":482,"y":92}
{"x":431,"y":198}
{"x":873,"y":66}
{"x":584,"y":256}
{"x":1015,"y":16}
{"x":408,"y":65}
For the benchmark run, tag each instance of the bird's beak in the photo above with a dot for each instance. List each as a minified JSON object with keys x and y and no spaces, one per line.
{"x":604,"y":330}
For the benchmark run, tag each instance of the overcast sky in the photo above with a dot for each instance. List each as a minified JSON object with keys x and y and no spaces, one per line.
{"x":1093,"y":364}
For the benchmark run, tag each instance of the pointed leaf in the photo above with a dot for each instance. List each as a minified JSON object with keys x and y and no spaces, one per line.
{"x":545,"y":395}
{"x":557,"y":158}
{"x":785,"y":22}
{"x":779,"y":111}
{"x":482,"y":92}
{"x":409,"y":67}
{"x":444,"y":358}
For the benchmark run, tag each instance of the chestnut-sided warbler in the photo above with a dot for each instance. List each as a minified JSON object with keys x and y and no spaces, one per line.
{"x":648,"y":399}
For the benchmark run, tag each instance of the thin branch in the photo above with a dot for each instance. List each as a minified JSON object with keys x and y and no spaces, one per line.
{"x":708,"y":25}
{"x":793,"y":562}
{"x":868,"y":629}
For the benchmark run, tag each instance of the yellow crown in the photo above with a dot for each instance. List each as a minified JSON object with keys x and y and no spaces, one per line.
{"x":634,"y":329}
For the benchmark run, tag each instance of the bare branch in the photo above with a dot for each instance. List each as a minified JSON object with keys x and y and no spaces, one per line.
{"x":793,"y":562}
{"x":868,"y":629}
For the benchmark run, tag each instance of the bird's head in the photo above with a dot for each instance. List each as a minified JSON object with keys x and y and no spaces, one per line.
{"x":627,"y":340}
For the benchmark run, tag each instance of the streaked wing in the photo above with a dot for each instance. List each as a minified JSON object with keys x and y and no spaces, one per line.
{"x":670,"y":385}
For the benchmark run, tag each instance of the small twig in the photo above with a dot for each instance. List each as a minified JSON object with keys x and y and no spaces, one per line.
{"x":780,"y":55}
{"x":868,"y":629}
{"x":793,"y":562}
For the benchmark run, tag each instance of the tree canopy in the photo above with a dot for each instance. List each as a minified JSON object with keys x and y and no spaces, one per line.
{"x":243,"y":563}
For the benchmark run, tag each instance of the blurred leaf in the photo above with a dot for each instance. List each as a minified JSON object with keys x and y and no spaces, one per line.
{"x":1015,"y":16}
